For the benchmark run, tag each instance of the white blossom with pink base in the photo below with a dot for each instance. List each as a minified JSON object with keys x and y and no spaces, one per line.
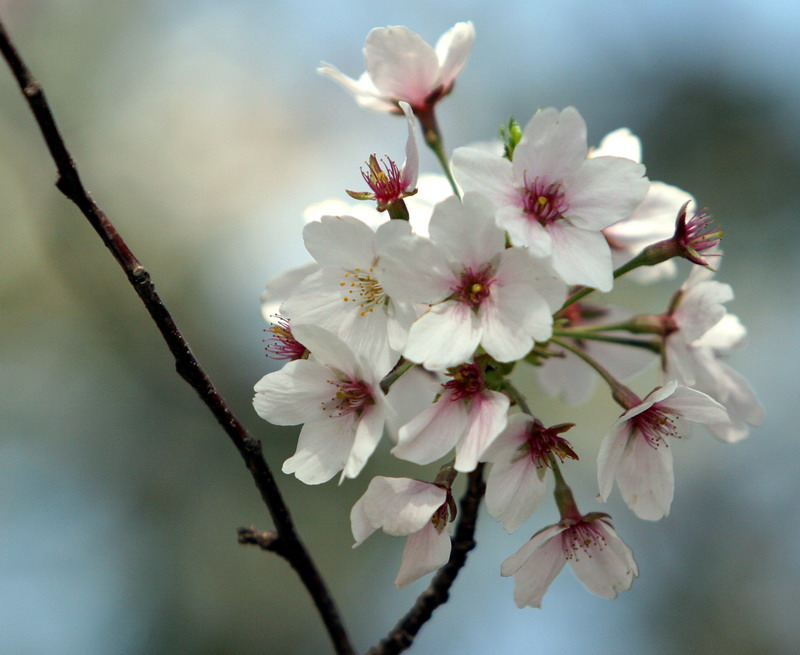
{"x":466,"y":416}
{"x":337,"y":397}
{"x":637,"y":454}
{"x":555,"y":200}
{"x":598,"y":557}
{"x":401,"y":66}
{"x":404,"y":507}
{"x":479,"y":291}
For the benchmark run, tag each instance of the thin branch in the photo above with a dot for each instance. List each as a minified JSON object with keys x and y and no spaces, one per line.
{"x":403,"y":634}
{"x":288,"y":543}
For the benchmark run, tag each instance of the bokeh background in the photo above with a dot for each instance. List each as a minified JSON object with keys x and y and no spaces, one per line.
{"x":203,"y":131}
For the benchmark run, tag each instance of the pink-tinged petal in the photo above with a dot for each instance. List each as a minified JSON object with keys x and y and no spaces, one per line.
{"x":413,"y":269}
{"x":725,"y":336}
{"x":619,"y":143}
{"x":433,"y":433}
{"x":466,"y":231}
{"x":701,"y":308}
{"x":401,"y":65}
{"x":425,"y":551}
{"x":612,"y":449}
{"x":322,"y":449}
{"x":487,"y":174}
{"x":360,"y":524}
{"x":488,"y":417}
{"x":402,"y":506}
{"x":553,"y":146}
{"x":581,"y":256}
{"x":506,"y":446}
{"x":524,"y":231}
{"x":452,"y":50}
{"x":366,"y":333}
{"x":410,"y":170}
{"x":607,"y":566}
{"x":604,"y":191}
{"x":368,"y":433}
{"x":446,"y":335}
{"x":513,"y":491}
{"x":340,"y":242}
{"x":694,"y":406}
{"x":535,"y":566}
{"x":504,"y":338}
{"x":363,"y":88}
{"x":409,"y":396}
{"x":328,"y":349}
{"x":280,"y":286}
{"x":294,"y":394}
{"x":645,"y":478}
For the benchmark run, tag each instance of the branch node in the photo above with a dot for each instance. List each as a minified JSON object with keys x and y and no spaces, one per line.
{"x":266,"y":540}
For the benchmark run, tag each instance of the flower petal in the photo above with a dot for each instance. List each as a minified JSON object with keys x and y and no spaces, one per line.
{"x":425,"y":551}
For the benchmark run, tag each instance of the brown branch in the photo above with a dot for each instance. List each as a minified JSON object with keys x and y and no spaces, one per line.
{"x":402,"y":635}
{"x":288,"y":543}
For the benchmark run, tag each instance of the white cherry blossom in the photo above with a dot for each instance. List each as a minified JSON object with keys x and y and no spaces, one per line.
{"x":598,"y":557}
{"x":405,"y":507}
{"x":520,"y":459}
{"x":401,"y":66}
{"x":480,"y":292}
{"x":555,"y":200}
{"x":336,"y":395}
{"x":636,"y":451}
{"x":344,"y":295}
{"x":466,"y":416}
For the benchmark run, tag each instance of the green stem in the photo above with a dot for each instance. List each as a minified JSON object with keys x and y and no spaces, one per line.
{"x":623,"y":341}
{"x":396,"y":374}
{"x":621,"y":394}
{"x":433,"y":138}
{"x":518,"y":398}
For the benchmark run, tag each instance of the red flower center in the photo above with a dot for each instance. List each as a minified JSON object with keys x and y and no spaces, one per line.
{"x":543,"y":202}
{"x":474,"y":286}
{"x":351,"y":396}
{"x":467,"y":381}
{"x":654,"y":426}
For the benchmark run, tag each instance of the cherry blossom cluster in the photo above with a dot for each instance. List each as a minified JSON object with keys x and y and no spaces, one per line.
{"x":424,"y":299}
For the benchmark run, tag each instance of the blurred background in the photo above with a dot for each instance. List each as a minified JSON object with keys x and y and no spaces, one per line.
{"x":203,"y":131}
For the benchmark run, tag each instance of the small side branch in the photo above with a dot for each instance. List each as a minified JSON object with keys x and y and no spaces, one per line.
{"x":403,"y":634}
{"x":187,"y":365}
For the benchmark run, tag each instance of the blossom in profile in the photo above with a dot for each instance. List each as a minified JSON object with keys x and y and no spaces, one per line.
{"x":336,"y":395}
{"x":521,"y":456}
{"x":652,"y":221}
{"x":388,"y":183}
{"x":636,"y":451}
{"x":422,"y":511}
{"x":401,"y":66}
{"x":553,"y":199}
{"x":598,"y":557}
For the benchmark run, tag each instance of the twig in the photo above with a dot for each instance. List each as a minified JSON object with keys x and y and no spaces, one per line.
{"x":403,"y":634}
{"x":287,"y":543}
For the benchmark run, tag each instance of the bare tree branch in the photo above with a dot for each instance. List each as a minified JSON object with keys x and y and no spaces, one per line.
{"x":402,"y":635}
{"x":287,"y":542}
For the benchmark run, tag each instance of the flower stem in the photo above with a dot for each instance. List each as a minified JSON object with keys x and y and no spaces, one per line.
{"x":623,"y":341}
{"x":433,"y":138}
{"x":619,"y":391}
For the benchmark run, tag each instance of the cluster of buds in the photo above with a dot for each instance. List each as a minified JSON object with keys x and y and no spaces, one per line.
{"x":412,"y":318}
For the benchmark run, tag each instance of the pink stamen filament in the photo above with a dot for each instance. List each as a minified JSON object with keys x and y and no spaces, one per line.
{"x":544,"y":202}
{"x":351,"y":396}
{"x":654,"y":426}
